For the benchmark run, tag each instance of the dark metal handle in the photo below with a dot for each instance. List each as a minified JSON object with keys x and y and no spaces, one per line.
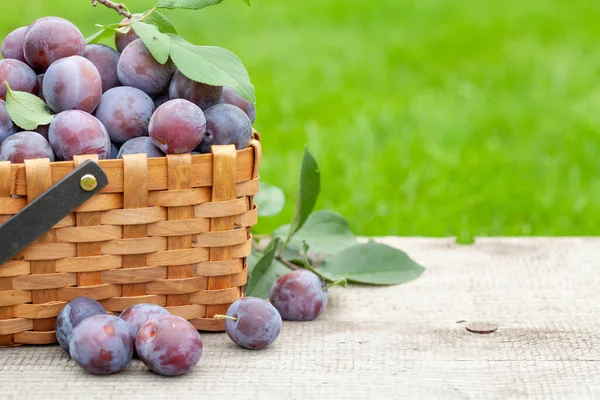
{"x":50,"y":208}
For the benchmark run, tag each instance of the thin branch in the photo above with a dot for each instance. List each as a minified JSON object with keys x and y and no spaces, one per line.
{"x":287,"y":263}
{"x":120,"y":8}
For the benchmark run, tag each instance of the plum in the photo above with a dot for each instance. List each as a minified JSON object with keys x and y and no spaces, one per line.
{"x":102,"y":344}
{"x":226,"y":124}
{"x":160,"y":99}
{"x":75,"y":132}
{"x":105,"y":59}
{"x":138,"y":314}
{"x":12,"y":45}
{"x":71,"y":315}
{"x":202,"y":95}
{"x":19,"y":76}
{"x":177,"y":126}
{"x":299,"y":295}
{"x":43,"y":130}
{"x":72,"y":83}
{"x":140,"y":145}
{"x":125,"y":112}
{"x":137,"y":68}
{"x":169,"y":345}
{"x":25,"y":146}
{"x":40,"y":87}
{"x":49,"y":39}
{"x":114,"y":151}
{"x":230,"y":96}
{"x":7,"y":126}
{"x":252,"y":323}
{"x":123,"y":39}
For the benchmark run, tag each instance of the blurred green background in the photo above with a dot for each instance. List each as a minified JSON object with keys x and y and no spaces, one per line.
{"x":436,"y":118}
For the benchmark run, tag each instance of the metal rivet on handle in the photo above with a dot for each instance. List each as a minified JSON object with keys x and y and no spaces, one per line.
{"x":88,"y":182}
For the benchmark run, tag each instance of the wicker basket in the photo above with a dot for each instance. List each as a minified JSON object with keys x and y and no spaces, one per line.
{"x":173,"y":231}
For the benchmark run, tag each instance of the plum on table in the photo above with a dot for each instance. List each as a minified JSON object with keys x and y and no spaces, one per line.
{"x":299,"y":295}
{"x":252,"y":323}
{"x":71,"y":315}
{"x":102,"y":344}
{"x":169,"y":345}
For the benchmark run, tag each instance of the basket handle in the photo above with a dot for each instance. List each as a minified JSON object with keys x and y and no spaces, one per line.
{"x":39,"y":216}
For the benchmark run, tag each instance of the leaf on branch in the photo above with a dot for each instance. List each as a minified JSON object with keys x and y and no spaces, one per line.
{"x":326,"y":232}
{"x":163,"y":23}
{"x":26,"y":110}
{"x":191,"y":4}
{"x":98,"y":36}
{"x":265,"y":272}
{"x":106,"y":32}
{"x":372,"y":263}
{"x":270,"y":200}
{"x":158,"y":43}
{"x":308,"y":192}
{"x":212,"y":66}
{"x":307,"y":265}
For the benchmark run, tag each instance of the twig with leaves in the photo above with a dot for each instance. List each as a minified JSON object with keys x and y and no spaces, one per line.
{"x":327,"y":233}
{"x":341,"y":258}
{"x":120,"y":8}
{"x":205,"y":64}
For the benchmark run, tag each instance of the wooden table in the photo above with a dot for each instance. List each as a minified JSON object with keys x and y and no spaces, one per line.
{"x":392,"y":342}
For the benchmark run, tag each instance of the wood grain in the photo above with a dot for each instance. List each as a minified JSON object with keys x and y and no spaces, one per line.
{"x":224,"y":165}
{"x":135,"y":195}
{"x":396,"y":342}
{"x":7,"y":311}
{"x":179,"y":178}
{"x":200,"y":175}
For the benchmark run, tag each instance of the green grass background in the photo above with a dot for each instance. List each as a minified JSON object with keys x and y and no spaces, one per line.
{"x":427,"y":117}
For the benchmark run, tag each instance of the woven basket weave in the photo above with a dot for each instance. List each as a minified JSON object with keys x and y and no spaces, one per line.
{"x":173,"y":231}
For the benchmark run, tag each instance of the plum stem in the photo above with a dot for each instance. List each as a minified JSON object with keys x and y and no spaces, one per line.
{"x":221,"y":316}
{"x":340,"y":282}
{"x":120,"y":8}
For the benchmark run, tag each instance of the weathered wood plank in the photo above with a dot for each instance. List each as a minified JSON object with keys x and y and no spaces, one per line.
{"x":394,"y":342}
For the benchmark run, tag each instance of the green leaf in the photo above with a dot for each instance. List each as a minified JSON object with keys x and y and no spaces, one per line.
{"x":264,"y":273}
{"x":252,"y":260}
{"x":26,"y":110}
{"x":191,"y":4}
{"x":211,"y":65}
{"x":158,"y":43}
{"x":372,"y":263}
{"x":163,"y":23}
{"x":98,"y":36}
{"x":270,"y":200}
{"x":308,"y":266}
{"x":326,"y":232}
{"x":105,"y":32}
{"x":308,"y":192}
